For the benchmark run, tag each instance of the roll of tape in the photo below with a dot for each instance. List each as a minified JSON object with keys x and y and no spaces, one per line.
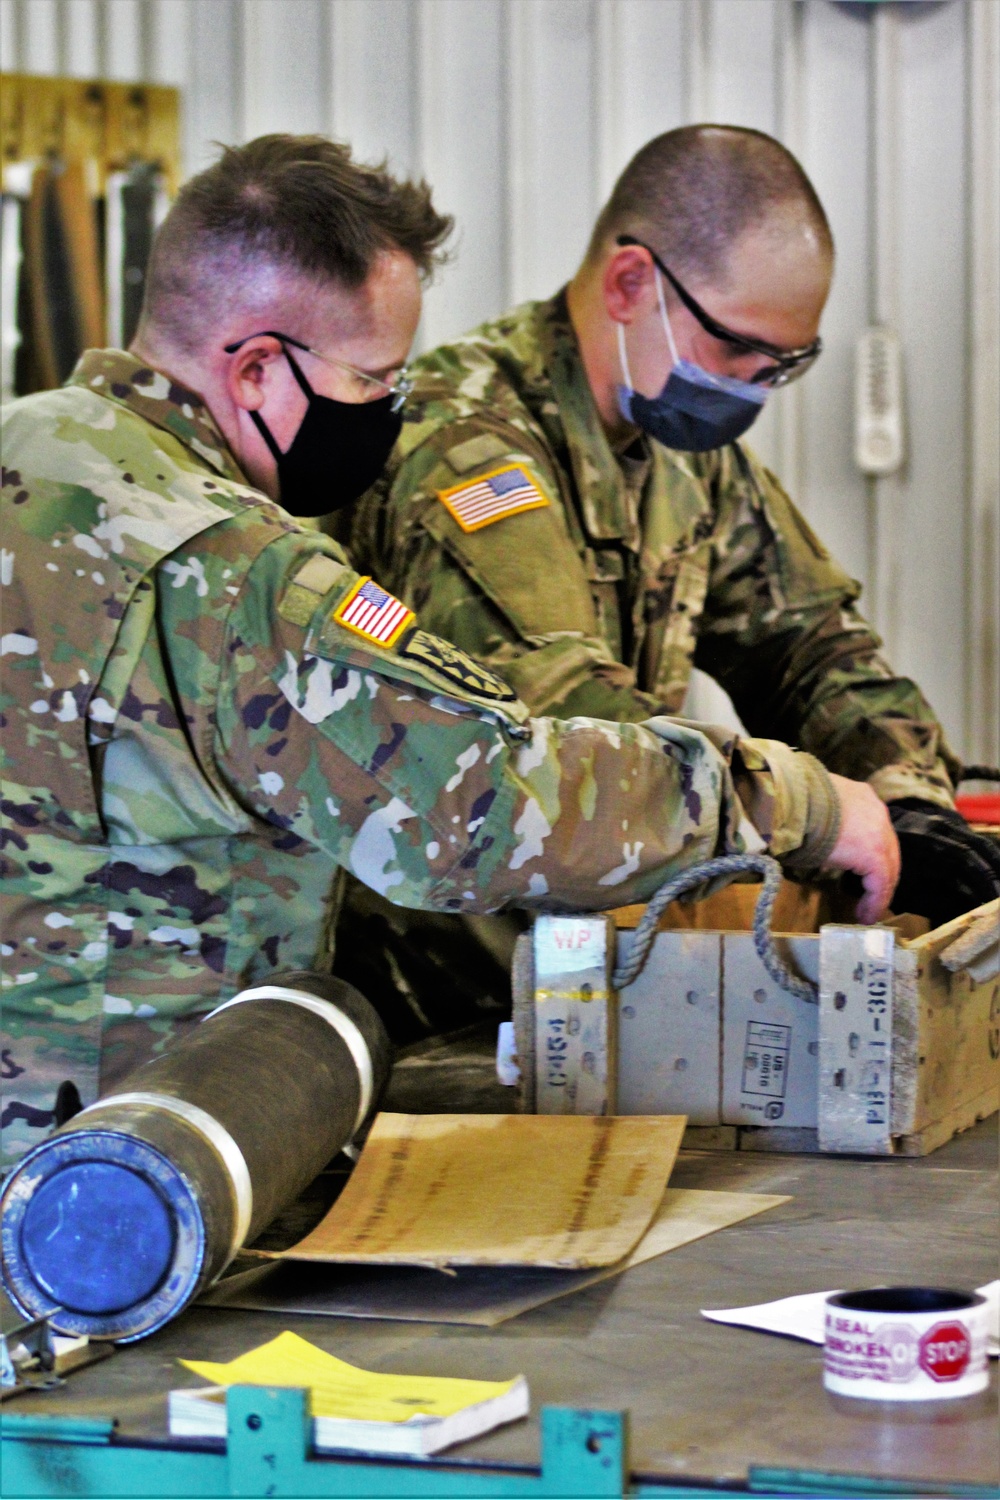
{"x":906,"y":1344}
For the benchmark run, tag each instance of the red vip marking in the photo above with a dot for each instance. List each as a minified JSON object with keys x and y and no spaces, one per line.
{"x":945,"y":1351}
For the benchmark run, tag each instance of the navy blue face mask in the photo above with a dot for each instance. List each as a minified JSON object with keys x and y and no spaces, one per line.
{"x":696,"y":410}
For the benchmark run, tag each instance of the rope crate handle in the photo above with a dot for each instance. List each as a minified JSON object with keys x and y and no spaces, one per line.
{"x":763,"y":941}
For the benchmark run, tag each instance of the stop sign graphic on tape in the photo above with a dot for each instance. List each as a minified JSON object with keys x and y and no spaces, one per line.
{"x":945,"y":1351}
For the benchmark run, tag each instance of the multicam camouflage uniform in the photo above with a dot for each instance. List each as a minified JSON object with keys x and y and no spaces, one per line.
{"x":632,"y":567}
{"x":196,"y":736}
{"x":628,"y":569}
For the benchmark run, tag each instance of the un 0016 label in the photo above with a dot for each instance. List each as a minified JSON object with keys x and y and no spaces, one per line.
{"x":765,"y":1060}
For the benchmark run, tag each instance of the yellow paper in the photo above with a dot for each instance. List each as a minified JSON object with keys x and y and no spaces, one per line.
{"x":337,"y":1389}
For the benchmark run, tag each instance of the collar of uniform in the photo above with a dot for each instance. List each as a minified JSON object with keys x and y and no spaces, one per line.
{"x":155,"y":397}
{"x":608,"y":514}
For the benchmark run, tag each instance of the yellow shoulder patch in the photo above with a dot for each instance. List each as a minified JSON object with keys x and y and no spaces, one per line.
{"x":492,"y":497}
{"x":373,"y":614}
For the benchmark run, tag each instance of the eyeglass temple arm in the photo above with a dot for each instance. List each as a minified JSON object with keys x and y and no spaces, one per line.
{"x":716,"y":329}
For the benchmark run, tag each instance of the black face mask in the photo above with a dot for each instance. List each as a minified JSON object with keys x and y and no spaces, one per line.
{"x":338,"y":452}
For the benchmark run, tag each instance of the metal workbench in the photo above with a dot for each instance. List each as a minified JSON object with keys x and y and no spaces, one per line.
{"x":705,"y":1402}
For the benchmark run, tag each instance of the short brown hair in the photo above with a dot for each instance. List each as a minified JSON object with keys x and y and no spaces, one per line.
{"x":692,"y":192}
{"x":299,"y":203}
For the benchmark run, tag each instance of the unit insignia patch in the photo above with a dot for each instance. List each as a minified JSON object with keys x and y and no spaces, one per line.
{"x":492,"y":497}
{"x":448,"y":661}
{"x":374,"y":614}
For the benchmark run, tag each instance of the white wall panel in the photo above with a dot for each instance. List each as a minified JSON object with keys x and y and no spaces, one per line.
{"x":374,"y":70}
{"x":522,"y":112}
{"x":212,"y":102}
{"x":932,"y":264}
{"x":697,"y":44}
{"x":553,"y":155}
{"x":834,"y":48}
{"x":887,"y":493}
{"x":463,"y":153}
{"x":81,"y":36}
{"x":9,"y":50}
{"x":169,"y":40}
{"x":39,"y":36}
{"x":285,"y":67}
{"x":124,"y":55}
{"x":742,"y":84}
{"x":641,"y":65}
{"x":982,"y":705}
{"x":786,"y":437}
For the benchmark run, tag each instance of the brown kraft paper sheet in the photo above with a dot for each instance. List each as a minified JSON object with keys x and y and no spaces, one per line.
{"x":482,"y":1296}
{"x":566,"y":1191}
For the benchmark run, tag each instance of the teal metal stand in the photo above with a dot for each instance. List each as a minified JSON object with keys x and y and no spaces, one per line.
{"x":267,"y":1452}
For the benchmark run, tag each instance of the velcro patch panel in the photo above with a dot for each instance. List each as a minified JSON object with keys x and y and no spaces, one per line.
{"x":315,"y":578}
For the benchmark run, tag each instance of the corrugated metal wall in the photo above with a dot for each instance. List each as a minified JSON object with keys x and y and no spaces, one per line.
{"x":522,"y":112}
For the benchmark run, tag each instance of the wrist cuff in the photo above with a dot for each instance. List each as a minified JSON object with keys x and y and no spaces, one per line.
{"x":791,"y":801}
{"x":892,"y":783}
{"x":823,"y":819}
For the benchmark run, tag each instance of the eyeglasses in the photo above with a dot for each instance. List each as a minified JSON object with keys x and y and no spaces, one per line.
{"x":789,"y":364}
{"x":399,"y":388}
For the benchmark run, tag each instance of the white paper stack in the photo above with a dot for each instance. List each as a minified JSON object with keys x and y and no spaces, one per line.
{"x":802,"y":1317}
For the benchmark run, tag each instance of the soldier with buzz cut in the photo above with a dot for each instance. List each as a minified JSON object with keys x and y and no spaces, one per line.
{"x":571,"y":501}
{"x":208,"y":713}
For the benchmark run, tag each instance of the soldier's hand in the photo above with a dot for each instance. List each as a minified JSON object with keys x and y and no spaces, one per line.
{"x":867,"y":846}
{"x":947,"y":868}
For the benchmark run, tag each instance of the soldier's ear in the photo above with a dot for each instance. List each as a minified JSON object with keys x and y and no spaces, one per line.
{"x":627,"y":283}
{"x":251,"y":370}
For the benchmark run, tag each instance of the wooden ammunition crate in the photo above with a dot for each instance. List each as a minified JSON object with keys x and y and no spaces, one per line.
{"x":901,"y":1052}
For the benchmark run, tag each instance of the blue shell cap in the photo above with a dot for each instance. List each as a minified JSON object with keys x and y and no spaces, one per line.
{"x":98,"y":1237}
{"x":101,"y":1234}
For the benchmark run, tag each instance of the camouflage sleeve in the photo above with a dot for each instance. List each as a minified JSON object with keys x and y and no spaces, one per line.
{"x":491,"y":592}
{"x":782,"y":635}
{"x":418,"y":771}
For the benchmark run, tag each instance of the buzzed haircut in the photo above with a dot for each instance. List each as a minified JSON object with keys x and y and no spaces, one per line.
{"x":691,"y":193}
{"x":291,"y":204}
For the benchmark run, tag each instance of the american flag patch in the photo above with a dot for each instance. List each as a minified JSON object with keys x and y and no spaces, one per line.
{"x":491,"y":497}
{"x":370,"y":612}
